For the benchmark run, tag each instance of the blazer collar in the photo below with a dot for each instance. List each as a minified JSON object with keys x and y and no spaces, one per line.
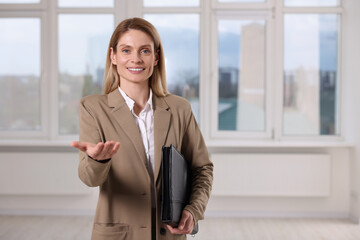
{"x":115,"y":100}
{"x":162,"y":117}
{"x":159,"y":102}
{"x":125,"y":119}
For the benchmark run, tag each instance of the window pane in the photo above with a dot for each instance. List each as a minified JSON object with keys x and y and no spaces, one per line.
{"x":311,"y":3}
{"x":172,"y":3}
{"x":19,"y":1}
{"x":83,"y":42}
{"x":20,"y":74}
{"x":241,"y":52}
{"x":310,"y":74}
{"x":180,"y":37}
{"x":86,"y":3}
{"x":242,"y":1}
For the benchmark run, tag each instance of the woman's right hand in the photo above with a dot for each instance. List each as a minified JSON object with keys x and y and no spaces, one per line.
{"x":100,"y":151}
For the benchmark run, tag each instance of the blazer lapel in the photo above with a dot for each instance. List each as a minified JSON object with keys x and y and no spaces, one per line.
{"x":126,"y":121}
{"x":162,"y":117}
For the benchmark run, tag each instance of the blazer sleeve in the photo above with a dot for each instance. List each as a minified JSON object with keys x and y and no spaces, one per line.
{"x":194,"y":149}
{"x":91,"y":172}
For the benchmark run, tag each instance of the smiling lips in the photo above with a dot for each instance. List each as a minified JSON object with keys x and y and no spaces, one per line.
{"x":136,"y":70}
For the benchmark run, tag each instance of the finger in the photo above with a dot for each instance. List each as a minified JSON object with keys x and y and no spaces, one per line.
{"x":79,"y":145}
{"x":189,"y":222}
{"x":95,"y":152}
{"x":102,"y":154}
{"x":183,"y":221}
{"x":176,"y":230}
{"x":108,"y":146}
{"x":115,"y":149}
{"x":187,"y":227}
{"x":173,"y":230}
{"x":170,"y":228}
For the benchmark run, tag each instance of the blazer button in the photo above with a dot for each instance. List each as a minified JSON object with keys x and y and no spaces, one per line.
{"x":162,"y":231}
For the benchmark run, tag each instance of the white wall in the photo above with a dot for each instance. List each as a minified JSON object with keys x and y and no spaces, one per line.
{"x":78,"y":199}
{"x":43,"y":182}
{"x":335,"y":204}
{"x":26,"y":187}
{"x":351,"y":73}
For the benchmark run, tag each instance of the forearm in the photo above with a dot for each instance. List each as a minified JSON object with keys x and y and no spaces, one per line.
{"x":201,"y":189}
{"x":91,"y":172}
{"x":194,"y":149}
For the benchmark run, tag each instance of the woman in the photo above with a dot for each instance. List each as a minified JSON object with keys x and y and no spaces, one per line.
{"x":121,"y":136}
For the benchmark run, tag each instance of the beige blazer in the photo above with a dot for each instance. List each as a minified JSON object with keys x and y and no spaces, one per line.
{"x":124,"y":205}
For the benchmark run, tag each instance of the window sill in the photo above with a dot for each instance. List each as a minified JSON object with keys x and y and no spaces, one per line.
{"x":214,"y":144}
{"x":36,"y":143}
{"x":64,"y":145}
{"x":36,"y":146}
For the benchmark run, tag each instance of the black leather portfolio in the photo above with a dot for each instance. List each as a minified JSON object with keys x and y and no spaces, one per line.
{"x":176,"y":186}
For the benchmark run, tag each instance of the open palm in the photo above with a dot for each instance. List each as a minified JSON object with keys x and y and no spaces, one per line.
{"x":99,"y":151}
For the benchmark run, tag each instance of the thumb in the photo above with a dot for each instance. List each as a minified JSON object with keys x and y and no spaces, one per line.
{"x":79,"y":145}
{"x":183,"y":221}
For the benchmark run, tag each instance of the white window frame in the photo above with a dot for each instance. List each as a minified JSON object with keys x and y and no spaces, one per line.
{"x":43,"y":84}
{"x":55,"y":12}
{"x":281,"y":10}
{"x":242,"y":15}
{"x":247,"y":11}
{"x":267,"y":4}
{"x":24,"y":6}
{"x":203,"y":9}
{"x":209,"y":11}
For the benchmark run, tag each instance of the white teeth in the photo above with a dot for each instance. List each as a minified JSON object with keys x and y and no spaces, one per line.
{"x":136,"y":69}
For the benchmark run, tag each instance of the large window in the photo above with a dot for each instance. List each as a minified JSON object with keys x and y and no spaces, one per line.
{"x":83,"y":42}
{"x":311,"y":74}
{"x":241,"y":74}
{"x":312,"y":3}
{"x":86,"y":3}
{"x":20,"y":71}
{"x":251,"y":69}
{"x":19,"y":1}
{"x":182,"y":61}
{"x":173,"y":3}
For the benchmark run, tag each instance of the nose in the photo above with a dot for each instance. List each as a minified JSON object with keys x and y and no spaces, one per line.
{"x":136,"y":58}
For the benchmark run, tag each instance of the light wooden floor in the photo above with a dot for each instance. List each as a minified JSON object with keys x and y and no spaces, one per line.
{"x":68,"y":228}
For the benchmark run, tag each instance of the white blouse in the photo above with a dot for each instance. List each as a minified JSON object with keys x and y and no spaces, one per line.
{"x":145,"y":122}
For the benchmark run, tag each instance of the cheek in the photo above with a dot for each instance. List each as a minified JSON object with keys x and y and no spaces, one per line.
{"x":151,"y":65}
{"x":121,"y":60}
{"x":121,"y":64}
{"x":153,"y":61}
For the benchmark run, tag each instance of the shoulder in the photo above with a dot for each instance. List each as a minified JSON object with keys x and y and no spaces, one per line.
{"x":93,"y":101}
{"x":179,"y":107}
{"x":177,"y":102}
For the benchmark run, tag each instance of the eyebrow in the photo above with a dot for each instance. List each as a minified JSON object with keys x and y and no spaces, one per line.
{"x":142,"y":46}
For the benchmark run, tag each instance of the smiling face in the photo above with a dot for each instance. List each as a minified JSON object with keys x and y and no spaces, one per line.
{"x":134,"y":57}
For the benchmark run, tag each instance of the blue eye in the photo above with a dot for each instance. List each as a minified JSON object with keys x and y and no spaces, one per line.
{"x":125,"y":50}
{"x":145,"y":51}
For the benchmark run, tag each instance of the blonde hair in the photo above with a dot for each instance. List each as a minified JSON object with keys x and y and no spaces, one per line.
{"x":157,"y":81}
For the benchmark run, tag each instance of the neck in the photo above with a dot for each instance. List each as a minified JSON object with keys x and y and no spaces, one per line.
{"x":139,"y":93}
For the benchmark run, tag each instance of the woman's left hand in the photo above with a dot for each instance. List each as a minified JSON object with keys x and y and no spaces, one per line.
{"x":186,"y":224}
